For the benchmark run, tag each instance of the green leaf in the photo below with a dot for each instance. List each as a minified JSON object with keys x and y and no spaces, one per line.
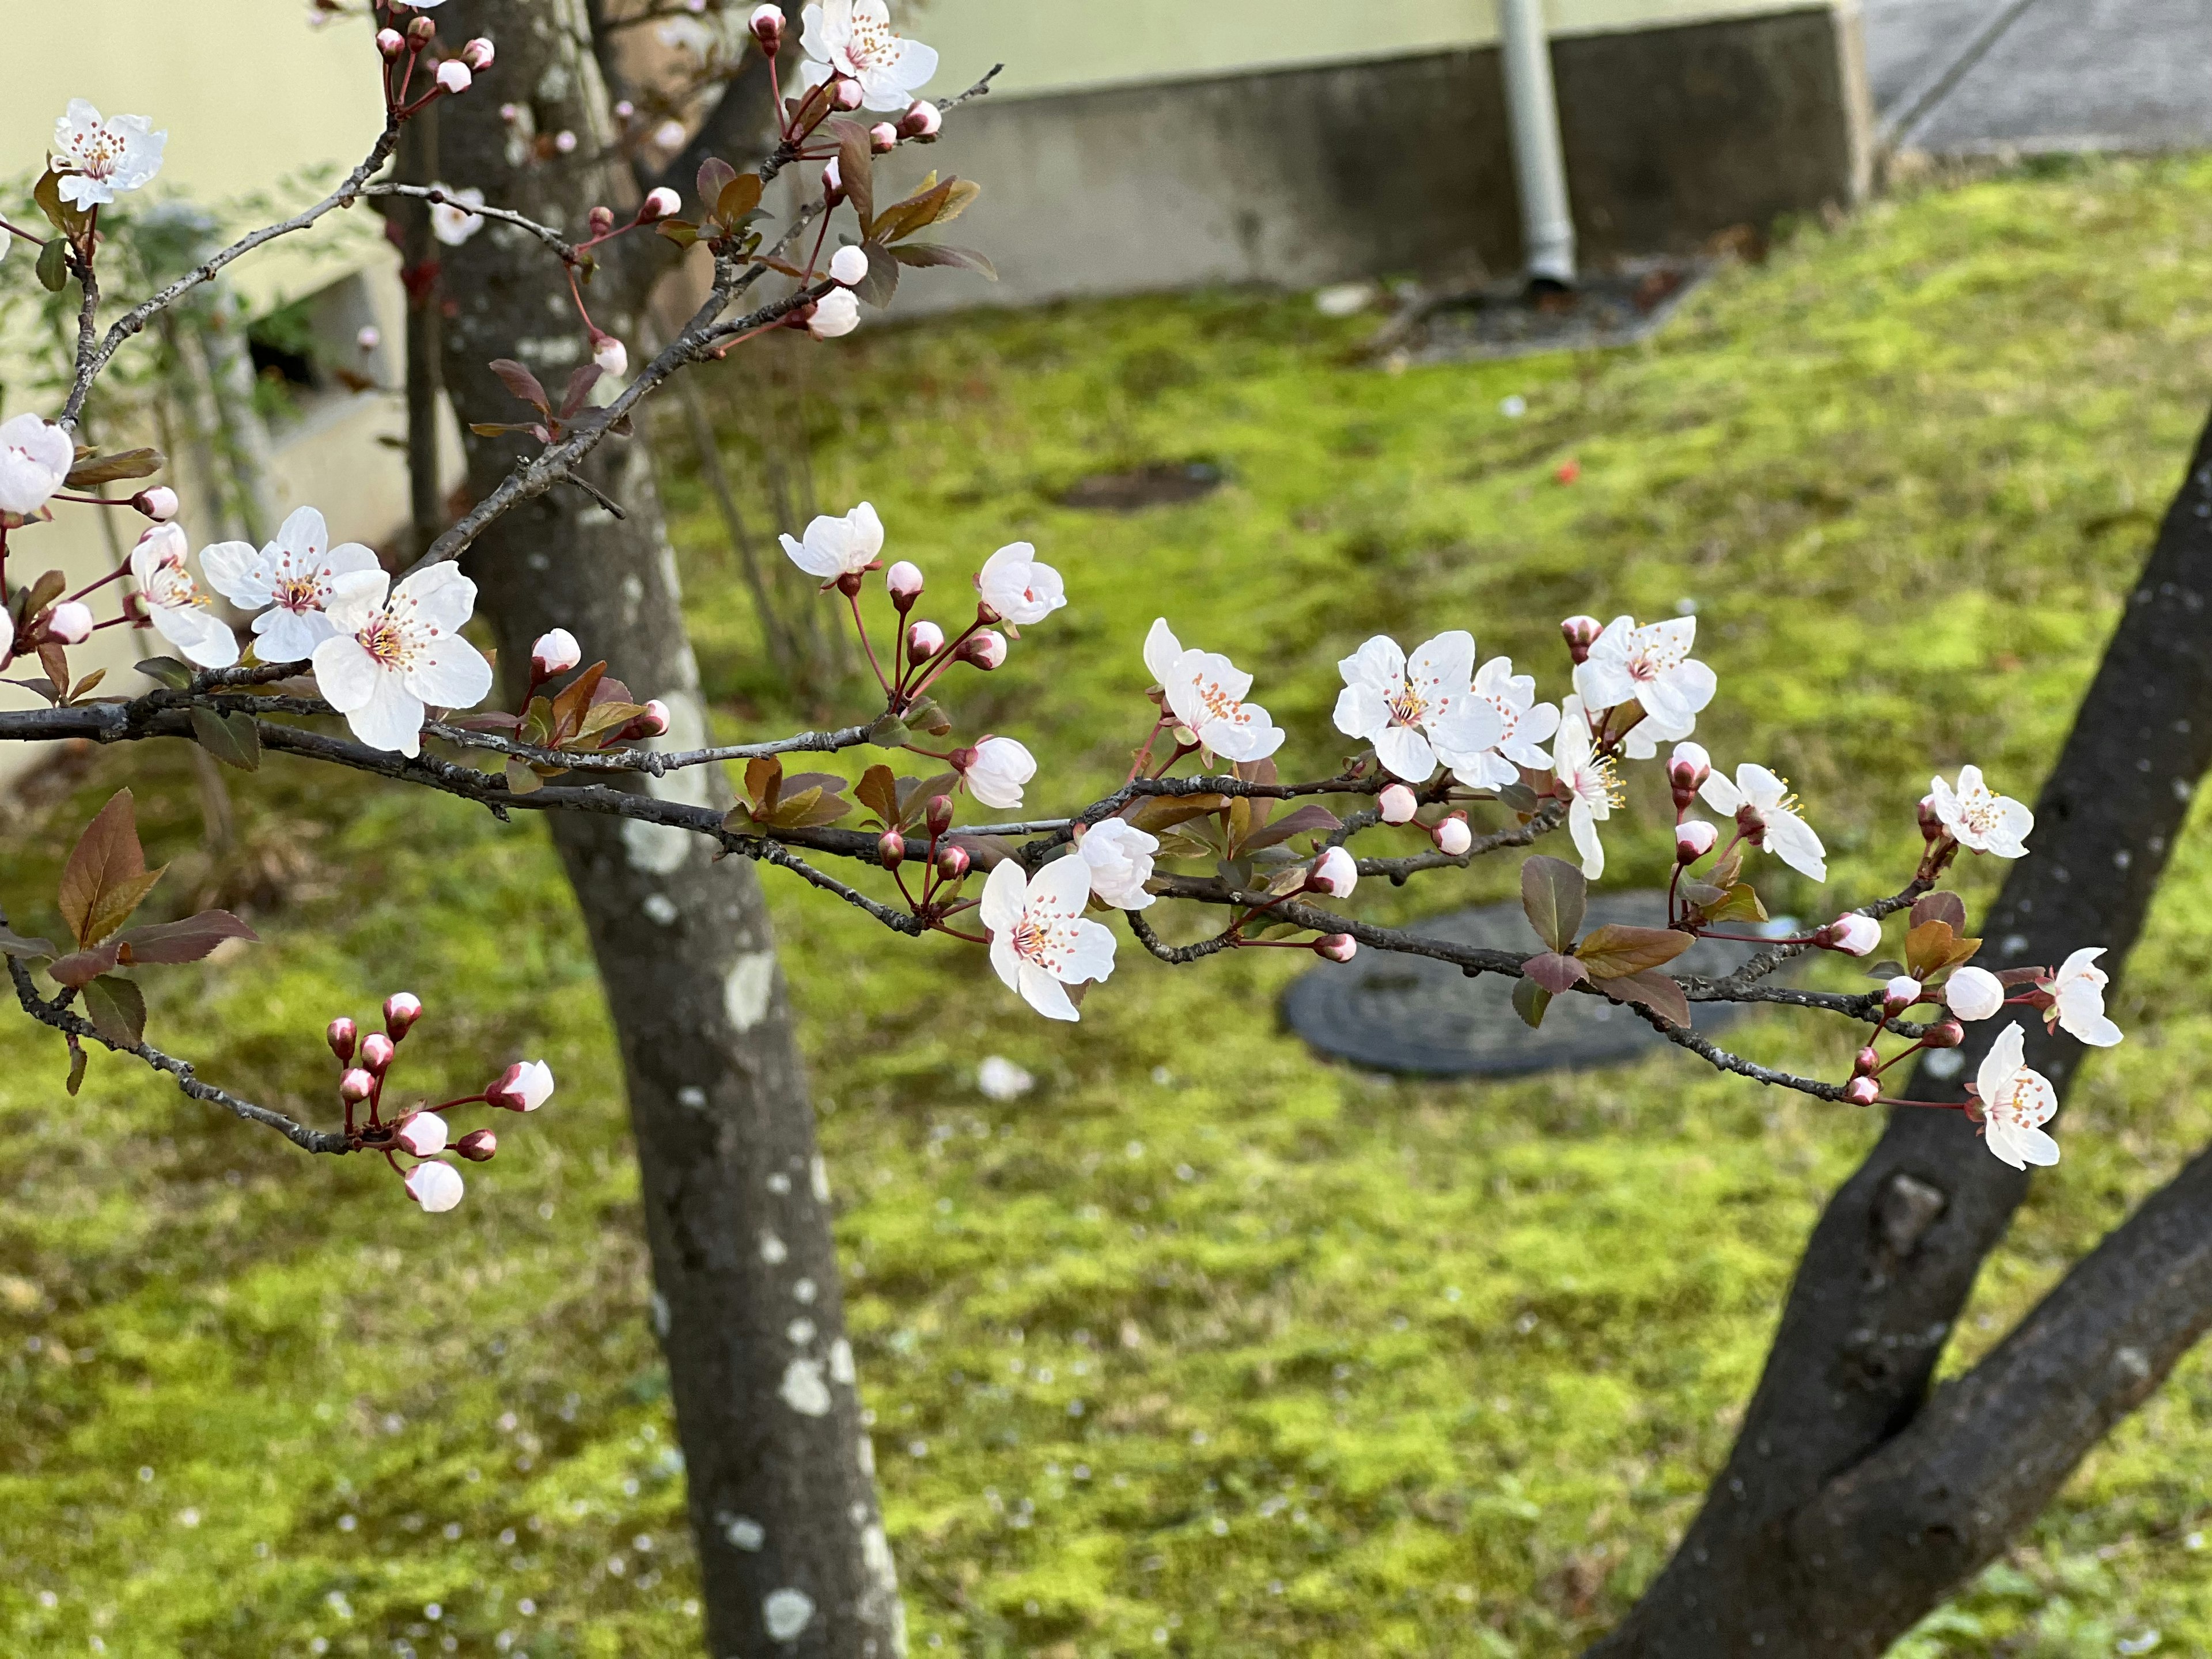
{"x":77,"y":1067}
{"x":890,"y":731}
{"x":96,"y":469}
{"x":47,"y":194}
{"x":117,"y":1009}
{"x":1554,"y":896}
{"x":1616,"y":952}
{"x":922,"y":254}
{"x":522,"y":778}
{"x":53,"y":266}
{"x":1529,"y":1001}
{"x":234,"y":739}
{"x":175,"y":675}
{"x":1740,"y":903}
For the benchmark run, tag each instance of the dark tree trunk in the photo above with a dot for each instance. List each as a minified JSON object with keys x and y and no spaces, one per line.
{"x":746,"y":1304}
{"x":1852,"y":1502}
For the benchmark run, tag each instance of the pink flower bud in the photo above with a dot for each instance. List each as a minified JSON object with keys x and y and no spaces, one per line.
{"x":522,"y":1087}
{"x":1452,"y":837}
{"x":1580,"y":634}
{"x":1973,"y":993}
{"x":1693,"y":839}
{"x":882,"y":137}
{"x":478,"y":1145}
{"x":848,"y":94}
{"x":453,"y":75}
{"x":1900,"y":994}
{"x":70,"y":622}
{"x":342,"y":1034}
{"x":609,"y":354}
{"x":1931,"y":822}
{"x":986,"y":650}
{"x":848,"y":265}
{"x":953,"y":862}
{"x":833,"y":183}
{"x":1397,"y":805}
{"x":356,"y":1086}
{"x":902,"y":581}
{"x":921,"y":120}
{"x":1688,"y":769}
{"x":624,"y":109}
{"x":661,"y":203}
{"x":423,"y":1133}
{"x":1337,"y":947}
{"x":1862,"y":1091}
{"x":891,"y":849}
{"x":391,"y":43}
{"x":435,"y":1187}
{"x":401,"y":1010}
{"x":422,"y":32}
{"x":654,"y":723}
{"x":938,"y":815}
{"x":166,"y":542}
{"x":1335,"y":872}
{"x":1866,"y":1061}
{"x":924,"y":641}
{"x":376,"y":1052}
{"x":1853,"y":934}
{"x":1944,"y":1033}
{"x":478,"y":54}
{"x":556,"y":653}
{"x":159,"y":503}
{"x":601,"y":219}
{"x":368,"y":339}
{"x":765,"y":25}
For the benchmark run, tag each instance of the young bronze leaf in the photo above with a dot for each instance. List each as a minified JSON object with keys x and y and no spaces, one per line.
{"x":98,"y":470}
{"x":106,"y":877}
{"x":579,"y":391}
{"x":44,"y":591}
{"x":15,"y":944}
{"x":76,"y":1066}
{"x":1553,"y":893}
{"x":522,"y":778}
{"x":856,"y":169}
{"x":1731,"y":866}
{"x":117,"y":1009}
{"x":1702,"y":894}
{"x":1554,"y":972}
{"x":922,"y":255}
{"x":1615,"y":952}
{"x":1947,"y":907}
{"x":958,"y":193}
{"x":522,"y":383}
{"x":1153,"y":813}
{"x":883,"y":278}
{"x":763,"y":783}
{"x":915,"y":795}
{"x":1529,"y":1001}
{"x":1655,"y":990}
{"x":80,"y":967}
{"x":716,"y":175}
{"x":52,"y":267}
{"x":189,"y":940}
{"x":1307,"y":820}
{"x":738,"y":198}
{"x":1928,"y":946}
{"x":1739,"y":904}
{"x":878,"y":792}
{"x":569,"y":707}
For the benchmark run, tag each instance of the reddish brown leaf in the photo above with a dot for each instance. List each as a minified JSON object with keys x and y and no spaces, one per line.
{"x":522,"y":383}
{"x":1655,"y":990}
{"x":1617,"y":952}
{"x":189,"y":940}
{"x":106,"y":877}
{"x":1554,"y":972}
{"x":117,"y":1009}
{"x":1553,"y":894}
{"x":80,"y":967}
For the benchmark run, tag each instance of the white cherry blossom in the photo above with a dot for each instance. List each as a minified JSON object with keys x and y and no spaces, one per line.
{"x":2016,"y":1103}
{"x":1206,"y":693}
{"x":1021,"y":591}
{"x":97,"y":158}
{"x":839,"y":547}
{"x":836,"y":314}
{"x":289,"y":582}
{"x":398,"y":652}
{"x":1767,"y":812}
{"x":1121,"y":858}
{"x":1040,"y":941}
{"x":1523,"y":725}
{"x":180,"y":613}
{"x":35,"y":457}
{"x":1651,"y":666}
{"x":854,"y":38}
{"x":1973,"y":993}
{"x":1414,"y":710}
{"x":1980,"y":819}
{"x":998,"y":771}
{"x":1593,"y":789}
{"x":2079,"y":988}
{"x":451,"y":221}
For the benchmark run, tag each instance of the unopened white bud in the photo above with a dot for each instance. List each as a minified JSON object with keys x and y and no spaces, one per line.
{"x":391,"y":43}
{"x":1397,"y":805}
{"x":924,"y":641}
{"x":423,"y":1133}
{"x":661,"y":203}
{"x":159,"y":503}
{"x":610,"y":356}
{"x":848,"y":265}
{"x":902,"y":581}
{"x":70,"y":622}
{"x":882,"y":137}
{"x":1693,"y":839}
{"x":453,"y":75}
{"x":437,"y":1187}
{"x":921,"y":120}
{"x":556,"y":653}
{"x":1335,"y":872}
{"x":1453,"y":836}
{"x":477,"y":54}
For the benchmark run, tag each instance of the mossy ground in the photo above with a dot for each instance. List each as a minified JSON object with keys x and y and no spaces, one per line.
{"x":1206,"y":1346}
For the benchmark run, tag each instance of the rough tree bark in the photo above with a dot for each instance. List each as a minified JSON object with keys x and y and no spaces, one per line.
{"x":1852,"y":1501}
{"x":746,"y":1303}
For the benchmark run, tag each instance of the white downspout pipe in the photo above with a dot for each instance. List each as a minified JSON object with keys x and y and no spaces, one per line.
{"x":1547,"y":227}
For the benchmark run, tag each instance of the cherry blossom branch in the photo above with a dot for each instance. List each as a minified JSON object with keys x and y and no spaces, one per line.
{"x":436,"y":196}
{"x":56,"y":1014}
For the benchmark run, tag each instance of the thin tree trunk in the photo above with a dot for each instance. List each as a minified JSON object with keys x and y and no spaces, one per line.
{"x":792,"y":1557}
{"x":1850,"y":1503}
{"x":418,"y":164}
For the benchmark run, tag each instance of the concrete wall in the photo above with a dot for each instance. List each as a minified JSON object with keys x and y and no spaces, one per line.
{"x":1314,"y":174}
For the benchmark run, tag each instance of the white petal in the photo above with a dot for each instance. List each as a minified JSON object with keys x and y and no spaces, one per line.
{"x":1004,"y":897}
{"x":1445,"y":663}
{"x":345,"y":674}
{"x":1405,"y":753}
{"x":1161,"y":651}
{"x":282,"y":635}
{"x":1790,"y":839}
{"x":1361,"y":711}
{"x":304,"y":535}
{"x":812,"y":556}
{"x":1999,"y":1065}
{"x":442,"y":597}
{"x":356,"y":598}
{"x":450,"y":674}
{"x":391,"y":719}
{"x":203,"y":637}
{"x":1045,"y":993}
{"x":1760,"y":786}
{"x":1254,"y":738}
{"x":1379,"y":663}
{"x":1092,"y":959}
{"x":2034,"y":1146}
{"x":1006,"y":960}
{"x":235,"y":570}
{"x":1065,"y":884}
{"x":1603,"y":684}
{"x":1583,"y":827}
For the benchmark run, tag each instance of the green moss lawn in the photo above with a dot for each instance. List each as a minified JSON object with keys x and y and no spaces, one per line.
{"x":1205,"y":1346}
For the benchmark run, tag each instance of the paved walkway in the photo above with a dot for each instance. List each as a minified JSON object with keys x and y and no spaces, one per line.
{"x":1963,"y":76}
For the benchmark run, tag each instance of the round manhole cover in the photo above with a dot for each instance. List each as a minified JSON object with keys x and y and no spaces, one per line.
{"x":1412,"y":1014}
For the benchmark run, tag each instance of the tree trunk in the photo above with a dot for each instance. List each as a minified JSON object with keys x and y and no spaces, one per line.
{"x":1851,"y":1503}
{"x":791,"y":1551}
